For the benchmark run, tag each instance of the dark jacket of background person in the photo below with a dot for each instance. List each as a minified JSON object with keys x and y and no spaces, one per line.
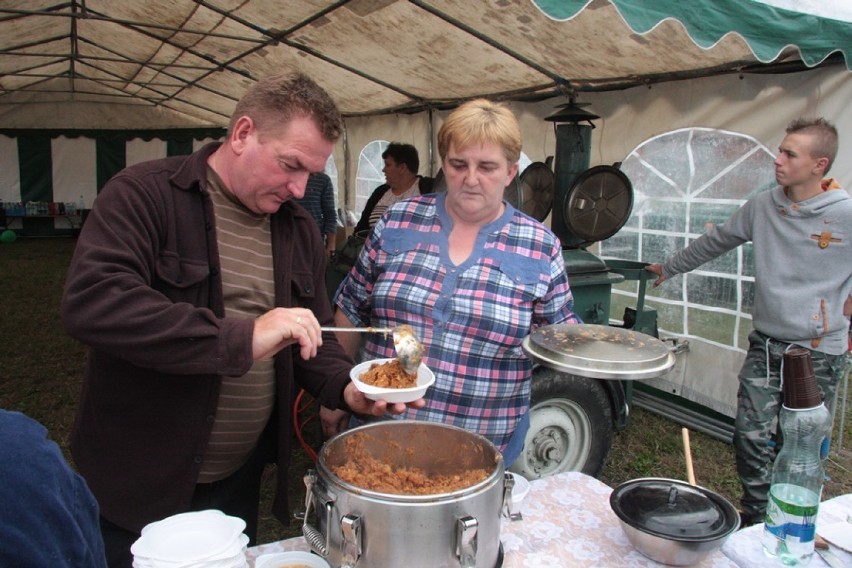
{"x":48,"y":516}
{"x":424,"y":183}
{"x":153,"y":376}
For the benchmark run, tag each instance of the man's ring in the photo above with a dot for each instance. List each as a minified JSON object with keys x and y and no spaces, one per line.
{"x":298,"y":320}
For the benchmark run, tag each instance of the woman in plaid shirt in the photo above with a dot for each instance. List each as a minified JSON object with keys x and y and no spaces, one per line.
{"x":471,"y":274}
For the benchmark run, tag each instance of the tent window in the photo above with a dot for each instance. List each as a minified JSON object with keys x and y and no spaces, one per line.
{"x":331,"y":171}
{"x":684,"y":182}
{"x":523,"y":163}
{"x":369,"y":175}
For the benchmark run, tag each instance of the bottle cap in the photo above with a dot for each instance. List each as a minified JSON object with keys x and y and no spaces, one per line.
{"x":800,"y":387}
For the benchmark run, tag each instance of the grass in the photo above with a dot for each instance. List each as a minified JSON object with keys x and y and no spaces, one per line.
{"x":41,"y":372}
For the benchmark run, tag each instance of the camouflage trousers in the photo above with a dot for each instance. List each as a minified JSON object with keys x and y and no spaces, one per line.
{"x":758,"y":404}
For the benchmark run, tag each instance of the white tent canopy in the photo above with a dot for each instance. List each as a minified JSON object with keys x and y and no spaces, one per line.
{"x":184,"y":63}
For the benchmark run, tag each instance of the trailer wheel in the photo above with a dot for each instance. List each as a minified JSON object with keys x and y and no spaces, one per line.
{"x":571,"y":426}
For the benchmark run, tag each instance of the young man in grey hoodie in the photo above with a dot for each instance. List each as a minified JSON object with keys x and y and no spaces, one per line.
{"x":801,"y":232}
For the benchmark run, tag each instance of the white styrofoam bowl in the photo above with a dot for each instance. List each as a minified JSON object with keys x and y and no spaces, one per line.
{"x":190,"y":537}
{"x":521,"y":488}
{"x":425,"y":379}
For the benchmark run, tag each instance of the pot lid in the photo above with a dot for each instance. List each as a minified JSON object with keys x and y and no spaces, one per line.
{"x":596,"y":205}
{"x":674,"y":509}
{"x":599,"y":351}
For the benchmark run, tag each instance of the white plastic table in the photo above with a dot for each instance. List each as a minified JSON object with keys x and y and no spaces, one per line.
{"x":745,"y":548}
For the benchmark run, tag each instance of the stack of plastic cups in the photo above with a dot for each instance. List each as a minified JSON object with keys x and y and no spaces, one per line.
{"x":797,"y":474}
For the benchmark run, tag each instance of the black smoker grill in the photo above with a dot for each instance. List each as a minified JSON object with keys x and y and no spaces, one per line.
{"x":588,"y":205}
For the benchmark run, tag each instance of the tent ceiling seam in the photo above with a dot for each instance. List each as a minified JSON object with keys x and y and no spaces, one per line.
{"x":490,"y":41}
{"x":281,"y":37}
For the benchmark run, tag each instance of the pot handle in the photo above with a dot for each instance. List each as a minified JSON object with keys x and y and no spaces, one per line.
{"x":318,"y":542}
{"x":466,"y":541}
{"x":508,"y":507}
{"x":350,"y":526}
{"x":679,"y":345}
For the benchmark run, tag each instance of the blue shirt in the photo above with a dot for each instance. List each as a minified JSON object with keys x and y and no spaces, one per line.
{"x":471,"y":317}
{"x":319,"y":201}
{"x":48,"y":516}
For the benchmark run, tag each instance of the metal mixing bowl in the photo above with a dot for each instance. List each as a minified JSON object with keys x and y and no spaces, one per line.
{"x":672,"y":522}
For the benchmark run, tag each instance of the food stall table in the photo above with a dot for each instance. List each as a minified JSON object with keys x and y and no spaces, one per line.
{"x":45,"y":225}
{"x":746,"y":549}
{"x":567,"y":521}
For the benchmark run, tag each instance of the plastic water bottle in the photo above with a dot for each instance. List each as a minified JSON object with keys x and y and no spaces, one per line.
{"x":798,"y":473}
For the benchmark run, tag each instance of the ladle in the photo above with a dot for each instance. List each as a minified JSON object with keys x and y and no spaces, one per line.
{"x":409,"y":349}
{"x":384,"y":330}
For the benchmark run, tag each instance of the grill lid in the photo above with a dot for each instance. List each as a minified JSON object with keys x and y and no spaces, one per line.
{"x":596,"y":206}
{"x":533,"y":194}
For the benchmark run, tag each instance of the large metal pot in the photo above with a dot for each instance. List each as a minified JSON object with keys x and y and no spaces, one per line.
{"x":357,"y":527}
{"x":672,"y":522}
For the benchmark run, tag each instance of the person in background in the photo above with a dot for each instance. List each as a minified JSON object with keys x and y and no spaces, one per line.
{"x":472,"y":275}
{"x":319,"y":201}
{"x":803,"y":290}
{"x":401,"y":165}
{"x":48,"y":516}
{"x":199,"y":288}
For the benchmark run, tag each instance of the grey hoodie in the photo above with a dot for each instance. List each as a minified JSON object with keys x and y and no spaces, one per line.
{"x":802,"y":264}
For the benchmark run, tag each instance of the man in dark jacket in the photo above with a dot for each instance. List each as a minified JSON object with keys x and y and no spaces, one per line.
{"x":199,"y":288}
{"x":400,"y":169}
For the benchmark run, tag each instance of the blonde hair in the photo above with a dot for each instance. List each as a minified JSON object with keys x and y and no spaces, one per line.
{"x":481,"y":121}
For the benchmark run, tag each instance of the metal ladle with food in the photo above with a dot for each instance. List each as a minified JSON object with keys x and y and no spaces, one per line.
{"x":409,"y":349}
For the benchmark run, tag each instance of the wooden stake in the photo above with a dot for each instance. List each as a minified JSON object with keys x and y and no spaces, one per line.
{"x":690,"y":474}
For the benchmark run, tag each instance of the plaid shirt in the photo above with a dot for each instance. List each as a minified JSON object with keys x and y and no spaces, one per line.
{"x":472,"y":318}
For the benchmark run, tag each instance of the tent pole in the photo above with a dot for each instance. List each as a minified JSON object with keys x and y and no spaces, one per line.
{"x":346,"y":166}
{"x":431,"y":142}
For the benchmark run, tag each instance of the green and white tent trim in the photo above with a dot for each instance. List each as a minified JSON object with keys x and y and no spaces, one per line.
{"x":71,"y":167}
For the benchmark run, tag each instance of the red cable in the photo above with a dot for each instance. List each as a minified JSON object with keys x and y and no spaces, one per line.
{"x":297,"y":410}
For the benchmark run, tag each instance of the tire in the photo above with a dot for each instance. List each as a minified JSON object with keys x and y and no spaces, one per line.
{"x":571,"y":427}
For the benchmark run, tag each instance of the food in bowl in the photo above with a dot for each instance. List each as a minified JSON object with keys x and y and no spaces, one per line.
{"x":291,"y":559}
{"x":363,"y":470}
{"x":425,"y":379}
{"x":390,"y":375}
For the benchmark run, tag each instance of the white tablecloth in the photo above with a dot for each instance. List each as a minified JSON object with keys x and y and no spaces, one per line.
{"x":745,"y":548}
{"x":567,"y":522}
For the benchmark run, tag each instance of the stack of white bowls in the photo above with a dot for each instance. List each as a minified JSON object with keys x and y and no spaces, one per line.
{"x":201,"y":539}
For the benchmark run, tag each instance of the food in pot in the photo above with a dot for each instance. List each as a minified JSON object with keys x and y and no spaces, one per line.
{"x":389,"y":375}
{"x":365,"y":471}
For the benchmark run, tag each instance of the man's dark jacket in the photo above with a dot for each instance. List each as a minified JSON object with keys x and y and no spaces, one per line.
{"x":144,"y":292}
